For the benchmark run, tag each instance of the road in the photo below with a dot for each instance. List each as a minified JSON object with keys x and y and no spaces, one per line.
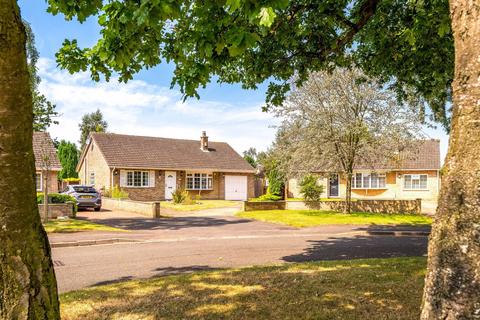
{"x":208,"y":247}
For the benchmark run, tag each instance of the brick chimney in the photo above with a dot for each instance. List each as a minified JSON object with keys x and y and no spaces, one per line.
{"x":204,"y":141}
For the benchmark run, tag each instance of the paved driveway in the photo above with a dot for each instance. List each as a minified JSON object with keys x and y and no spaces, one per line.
{"x":190,"y":243}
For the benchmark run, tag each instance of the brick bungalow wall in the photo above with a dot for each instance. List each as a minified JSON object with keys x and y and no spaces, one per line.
{"x":158,"y":192}
{"x":52,"y":182}
{"x":94,"y":162}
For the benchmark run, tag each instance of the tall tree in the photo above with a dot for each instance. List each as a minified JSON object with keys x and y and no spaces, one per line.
{"x":68,"y":156}
{"x":452,"y":289}
{"x":91,"y":122}
{"x":250,"y":156}
{"x":27,"y":280}
{"x":43,"y":110}
{"x":337,"y":121}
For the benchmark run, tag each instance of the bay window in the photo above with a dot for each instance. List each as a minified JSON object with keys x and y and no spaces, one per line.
{"x":369,"y":181}
{"x":199,"y":181}
{"x":415,"y":181}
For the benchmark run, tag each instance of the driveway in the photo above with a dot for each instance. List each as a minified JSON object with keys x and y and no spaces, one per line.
{"x":189,"y":243}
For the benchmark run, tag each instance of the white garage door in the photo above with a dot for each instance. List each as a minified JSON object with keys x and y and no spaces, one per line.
{"x":235,"y":188}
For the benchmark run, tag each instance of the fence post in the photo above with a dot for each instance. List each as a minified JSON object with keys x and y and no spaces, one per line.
{"x":156,"y":210}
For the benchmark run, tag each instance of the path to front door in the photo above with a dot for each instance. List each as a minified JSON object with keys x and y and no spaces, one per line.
{"x":170,"y":184}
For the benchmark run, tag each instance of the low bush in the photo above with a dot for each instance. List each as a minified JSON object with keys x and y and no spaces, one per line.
{"x":57,"y":198}
{"x":77,"y":180}
{"x":116,"y":193}
{"x":268,"y":197}
{"x":181,"y":196}
{"x":310,"y":189}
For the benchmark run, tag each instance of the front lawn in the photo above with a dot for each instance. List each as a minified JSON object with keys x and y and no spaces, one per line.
{"x":200,"y":205}
{"x":310,"y":218}
{"x":351,"y":289}
{"x":74,"y":225}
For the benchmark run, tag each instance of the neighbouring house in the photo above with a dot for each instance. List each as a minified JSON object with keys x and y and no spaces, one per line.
{"x":416,"y":177}
{"x":151,"y":168}
{"x":47,"y":164}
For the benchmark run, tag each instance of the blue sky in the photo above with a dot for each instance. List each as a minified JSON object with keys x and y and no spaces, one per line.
{"x":146,"y":105}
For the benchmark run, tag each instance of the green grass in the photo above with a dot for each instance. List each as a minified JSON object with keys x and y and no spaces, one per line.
{"x":200,"y":205}
{"x":309,"y":218}
{"x":377,"y":289}
{"x":74,"y":225}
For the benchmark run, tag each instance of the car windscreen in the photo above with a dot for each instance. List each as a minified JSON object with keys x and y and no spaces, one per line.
{"x":84,"y":189}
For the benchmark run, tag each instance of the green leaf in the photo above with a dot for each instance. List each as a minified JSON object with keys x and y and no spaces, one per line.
{"x":233,"y":5}
{"x":267,"y":16}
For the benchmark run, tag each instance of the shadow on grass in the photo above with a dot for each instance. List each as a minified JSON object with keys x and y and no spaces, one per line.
{"x":357,"y":289}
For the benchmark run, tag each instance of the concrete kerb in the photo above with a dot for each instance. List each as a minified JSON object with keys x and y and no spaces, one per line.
{"x":82,"y":243}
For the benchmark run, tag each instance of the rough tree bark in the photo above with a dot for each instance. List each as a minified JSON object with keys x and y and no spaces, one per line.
{"x":27,"y":281}
{"x":452,"y":289}
{"x":348,"y":194}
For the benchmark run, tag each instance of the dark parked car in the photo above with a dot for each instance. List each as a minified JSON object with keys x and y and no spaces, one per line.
{"x":87,"y":196}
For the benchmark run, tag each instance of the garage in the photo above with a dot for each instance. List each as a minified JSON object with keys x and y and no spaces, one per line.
{"x":235,"y":187}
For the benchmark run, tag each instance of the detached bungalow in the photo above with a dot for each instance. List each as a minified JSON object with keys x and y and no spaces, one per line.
{"x":46,"y":162}
{"x":151,"y":168}
{"x":414,"y":178}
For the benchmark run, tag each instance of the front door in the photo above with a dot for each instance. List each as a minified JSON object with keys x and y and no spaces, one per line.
{"x":333,"y":186}
{"x":170,"y":184}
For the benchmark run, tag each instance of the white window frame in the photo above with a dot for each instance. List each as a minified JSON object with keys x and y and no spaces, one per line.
{"x":415,"y":177}
{"x":37,"y":174}
{"x":366,"y":181}
{"x":143,"y":179}
{"x":199,"y":181}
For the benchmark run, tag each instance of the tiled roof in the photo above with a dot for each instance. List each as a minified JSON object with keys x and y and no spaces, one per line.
{"x":425,"y":155}
{"x":43,"y":148}
{"x":127,"y":151}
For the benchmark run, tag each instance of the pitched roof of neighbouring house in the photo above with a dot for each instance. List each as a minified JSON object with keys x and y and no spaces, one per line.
{"x":43,"y":148}
{"x":424,"y":155}
{"x":127,"y":151}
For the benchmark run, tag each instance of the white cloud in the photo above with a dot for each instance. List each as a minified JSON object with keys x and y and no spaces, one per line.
{"x":141,"y":108}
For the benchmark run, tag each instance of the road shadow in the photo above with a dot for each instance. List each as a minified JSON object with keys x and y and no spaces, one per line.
{"x":175,"y":223}
{"x":395,"y":229}
{"x":361,"y":247}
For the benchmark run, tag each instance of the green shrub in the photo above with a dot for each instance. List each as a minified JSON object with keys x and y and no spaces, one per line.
{"x":71,"y":179}
{"x":182,"y":196}
{"x":310,"y":189}
{"x":268,"y":197}
{"x":57,"y":198}
{"x":179,"y":196}
{"x":116,"y":193}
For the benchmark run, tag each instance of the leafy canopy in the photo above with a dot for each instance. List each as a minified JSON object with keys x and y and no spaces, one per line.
{"x":91,"y":122}
{"x":68,"y":156}
{"x":250,"y":42}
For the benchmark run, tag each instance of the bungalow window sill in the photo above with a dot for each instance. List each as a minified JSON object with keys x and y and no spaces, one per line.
{"x":383,"y":188}
{"x":416,"y":189}
{"x":138,"y":187}
{"x":199,"y":189}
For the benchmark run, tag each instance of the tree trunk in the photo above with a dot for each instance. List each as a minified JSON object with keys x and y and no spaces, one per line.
{"x":452,"y":289}
{"x":27,"y":281}
{"x":348,"y":194}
